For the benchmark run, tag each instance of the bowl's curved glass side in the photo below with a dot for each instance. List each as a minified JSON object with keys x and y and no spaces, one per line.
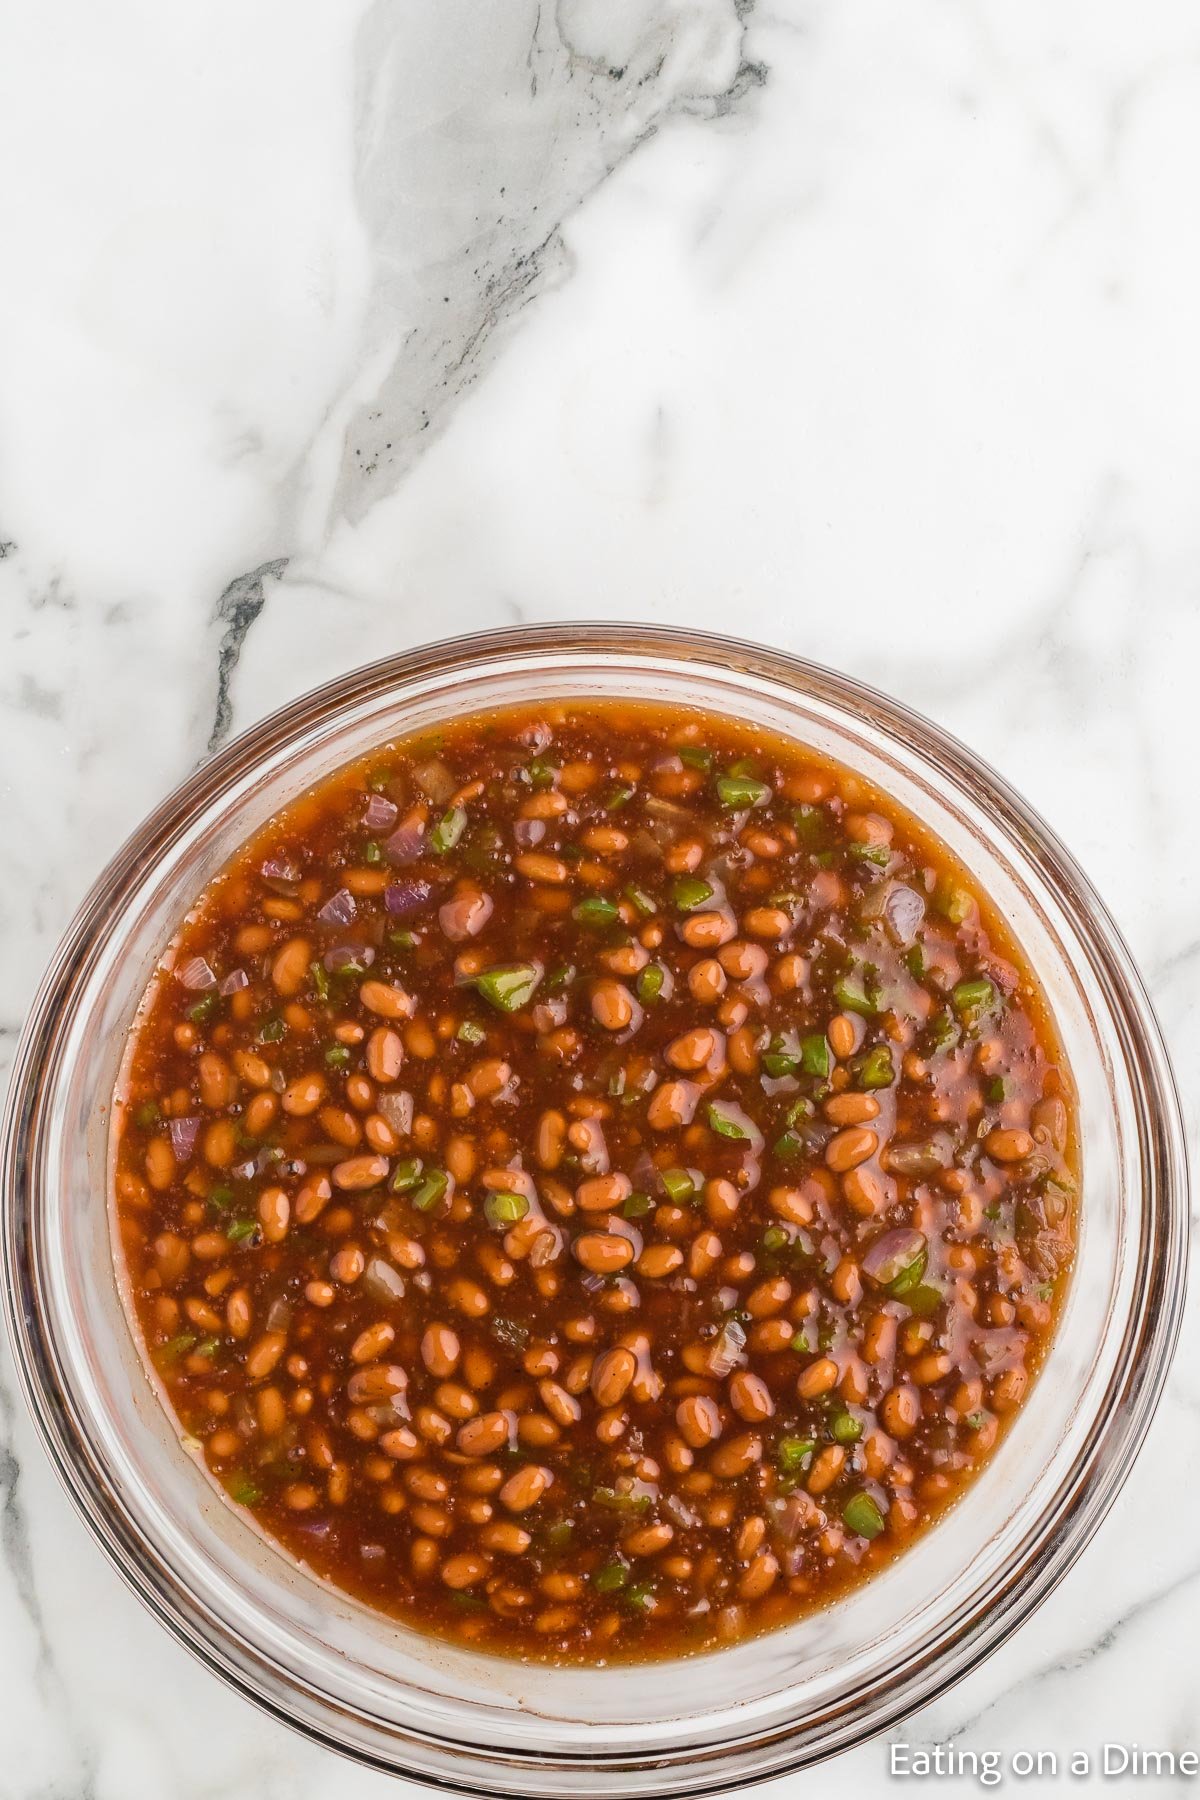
{"x":403,"y":1701}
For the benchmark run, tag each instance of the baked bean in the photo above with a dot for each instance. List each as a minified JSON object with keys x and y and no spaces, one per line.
{"x":864,"y":1191}
{"x":505,"y":1537}
{"x":735,"y":1456}
{"x":359,"y":1172}
{"x":699,"y":1421}
{"x":387,"y":1001}
{"x":827,"y":1465}
{"x":767,"y":922}
{"x":899,"y":1411}
{"x":290,"y":967}
{"x":760,"y":1577}
{"x":817,"y":1379}
{"x":303,"y":1095}
{"x":274,"y":1214}
{"x":744,"y":962}
{"x":770,"y":1337}
{"x":851,"y":1109}
{"x":603,"y":1254}
{"x":562,"y":1406}
{"x":750,"y":1397}
{"x":850,"y":1147}
{"x":649,"y":1540}
{"x":238,"y":1313}
{"x":707,"y":930}
{"x":706,"y":981}
{"x":791,"y":1204}
{"x":672,"y":1104}
{"x":611,"y":1375}
{"x":770,"y":1296}
{"x":468,"y":1298}
{"x":928,"y":1369}
{"x":693,"y":1050}
{"x":525,"y":1488}
{"x":750,"y":1537}
{"x":484,"y":1434}
{"x":259,"y":1115}
{"x":215,"y":1080}
{"x":541,"y":868}
{"x":440,"y":1350}
{"x":658,"y":1261}
{"x":613,"y":1006}
{"x":348,"y":1264}
{"x":264,"y":1354}
{"x":370,"y":1344}
{"x":1008,"y":1146}
{"x":603,"y":1193}
{"x":380,"y":1382}
{"x":385,"y":1054}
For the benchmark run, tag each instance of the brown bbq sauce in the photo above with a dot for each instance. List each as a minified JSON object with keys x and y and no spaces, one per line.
{"x":595,"y":1182}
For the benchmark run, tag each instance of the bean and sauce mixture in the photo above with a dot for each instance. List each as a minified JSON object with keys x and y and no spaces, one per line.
{"x":595,"y":1183}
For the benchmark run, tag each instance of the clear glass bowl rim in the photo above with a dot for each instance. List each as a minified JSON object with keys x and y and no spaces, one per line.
{"x":1150,"y":1337}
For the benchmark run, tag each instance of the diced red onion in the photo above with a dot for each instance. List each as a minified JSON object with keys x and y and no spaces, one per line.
{"x":788,"y":1516}
{"x":924,"y":1158}
{"x":666,"y":820}
{"x":245,"y":1171}
{"x":891,"y":1254}
{"x":435,"y":780}
{"x":528,"y":832}
{"x":382,"y":1280}
{"x":278,"y":868}
{"x":727,"y":1351}
{"x":381,"y":813}
{"x":233,"y":983}
{"x":405,"y":844}
{"x":392,"y":1411}
{"x":679,"y":1512}
{"x":903,"y":911}
{"x":280,"y":874}
{"x":465,"y":913}
{"x":183,"y":1137}
{"x":343,"y":955}
{"x":196,"y":975}
{"x":279,"y":1313}
{"x":402,"y":897}
{"x":396,"y":1107}
{"x":999,"y":1350}
{"x":339,"y":909}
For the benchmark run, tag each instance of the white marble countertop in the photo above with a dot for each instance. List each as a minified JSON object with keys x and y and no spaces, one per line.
{"x":869,"y":330}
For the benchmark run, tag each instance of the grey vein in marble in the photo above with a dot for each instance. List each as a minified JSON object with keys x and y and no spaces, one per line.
{"x":16,"y":1553}
{"x":539,"y":105}
{"x":236,"y":610}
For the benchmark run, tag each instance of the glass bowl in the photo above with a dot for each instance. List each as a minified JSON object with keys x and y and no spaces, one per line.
{"x":451,"y":1716}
